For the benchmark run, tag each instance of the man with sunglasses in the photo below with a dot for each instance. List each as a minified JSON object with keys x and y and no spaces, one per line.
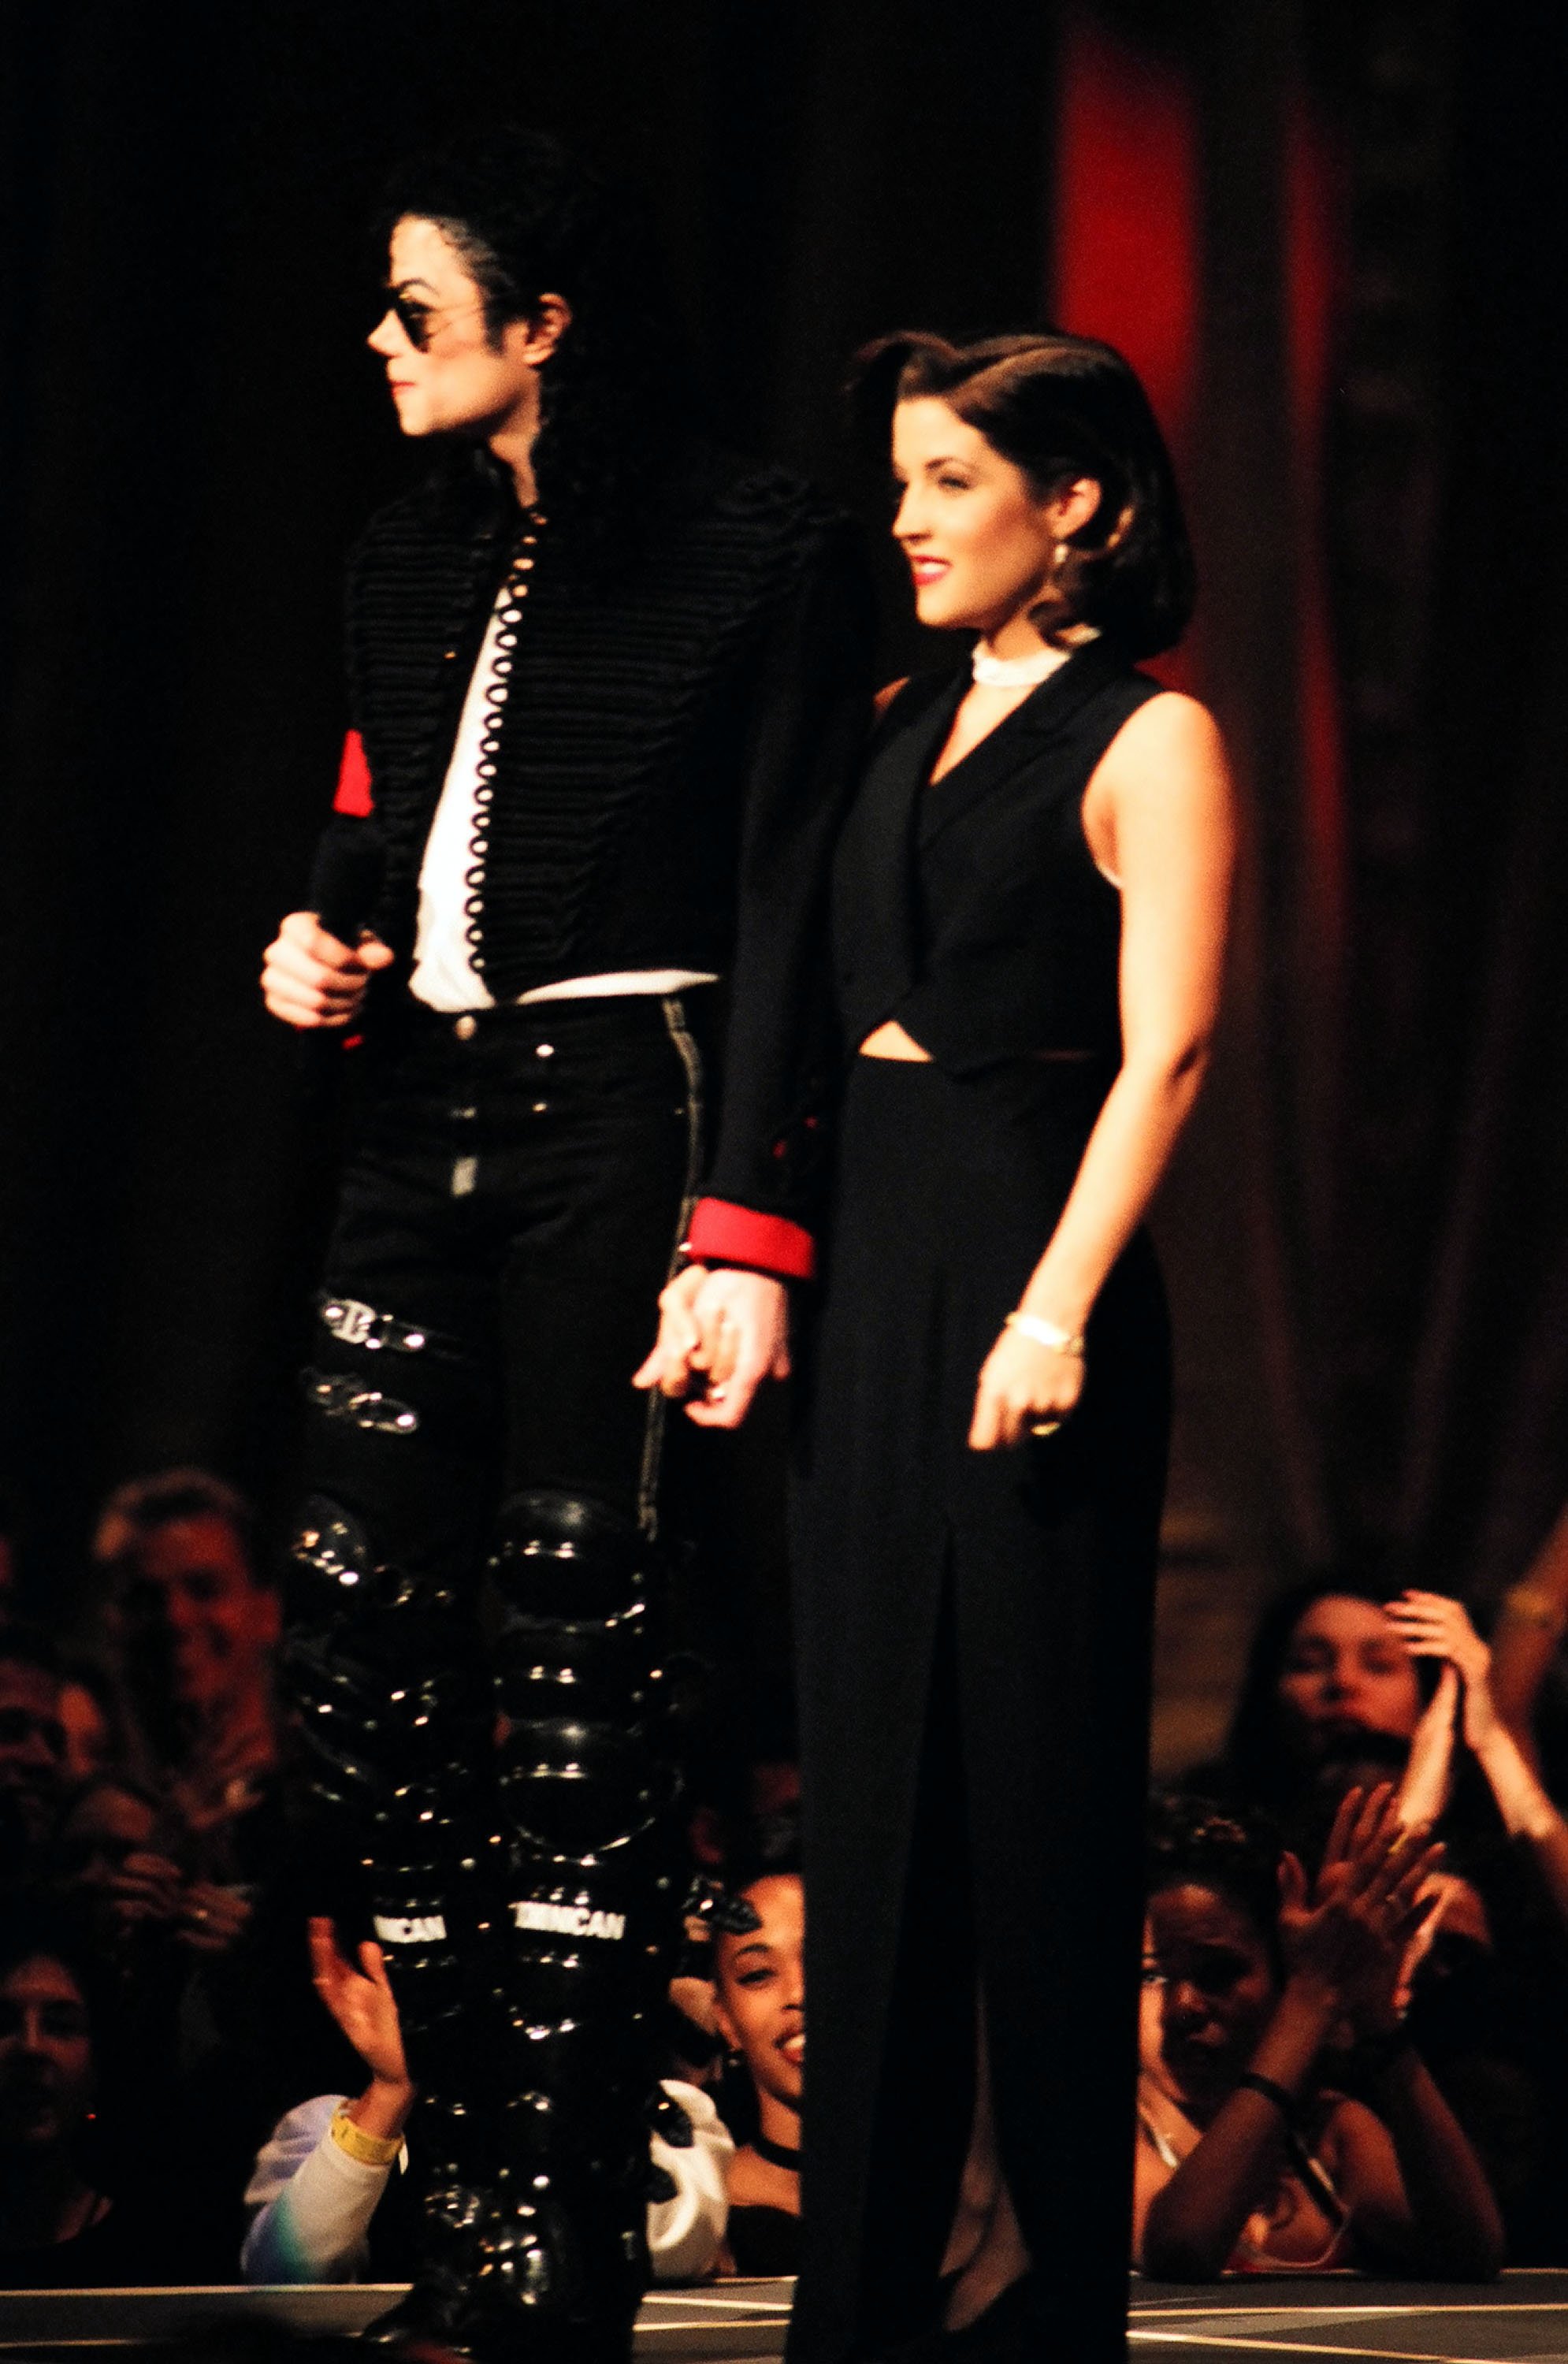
{"x":608,"y":688}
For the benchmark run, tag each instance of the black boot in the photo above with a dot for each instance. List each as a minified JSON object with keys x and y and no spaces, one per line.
{"x":592,"y":1926}
{"x":394,"y":1710}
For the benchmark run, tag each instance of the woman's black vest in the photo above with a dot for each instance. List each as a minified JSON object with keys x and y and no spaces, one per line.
{"x":971,"y":910}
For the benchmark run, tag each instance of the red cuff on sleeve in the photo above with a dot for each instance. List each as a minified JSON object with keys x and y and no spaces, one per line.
{"x":724,"y":1233}
{"x":354,"y":794}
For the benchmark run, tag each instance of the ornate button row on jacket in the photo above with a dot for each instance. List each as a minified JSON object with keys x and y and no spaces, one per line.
{"x":514,"y":592}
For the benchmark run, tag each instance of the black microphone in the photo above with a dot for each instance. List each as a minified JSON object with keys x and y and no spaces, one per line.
{"x":349,"y":879}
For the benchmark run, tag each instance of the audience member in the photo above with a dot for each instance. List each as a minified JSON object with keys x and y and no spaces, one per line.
{"x":1252,"y":2157}
{"x":95,"y":1745}
{"x":1328,"y":1681}
{"x":32,"y":1752}
{"x":112,"y":1849}
{"x":320,"y":2185}
{"x":62,"y":2223}
{"x":760,"y":2008}
{"x":195,"y":1629}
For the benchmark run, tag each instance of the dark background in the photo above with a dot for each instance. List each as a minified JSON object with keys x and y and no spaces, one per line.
{"x":1332,"y":235}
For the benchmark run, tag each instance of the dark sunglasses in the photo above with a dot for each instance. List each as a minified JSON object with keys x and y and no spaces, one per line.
{"x":418,"y":321}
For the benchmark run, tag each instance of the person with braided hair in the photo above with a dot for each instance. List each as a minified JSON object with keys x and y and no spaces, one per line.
{"x":607,"y":687}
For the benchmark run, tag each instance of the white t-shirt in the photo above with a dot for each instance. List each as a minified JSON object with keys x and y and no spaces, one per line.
{"x":444,"y":977}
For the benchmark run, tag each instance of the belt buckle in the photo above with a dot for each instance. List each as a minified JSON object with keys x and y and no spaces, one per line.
{"x":354,"y":1323}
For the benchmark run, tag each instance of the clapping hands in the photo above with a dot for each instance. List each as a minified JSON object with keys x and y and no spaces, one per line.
{"x":1351,"y":1931}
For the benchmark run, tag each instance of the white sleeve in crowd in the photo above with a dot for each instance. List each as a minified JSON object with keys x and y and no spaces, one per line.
{"x":313,"y":2203}
{"x":687,"y":2232}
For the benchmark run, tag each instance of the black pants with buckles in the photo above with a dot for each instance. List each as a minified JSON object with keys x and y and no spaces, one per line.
{"x":517,"y":1186}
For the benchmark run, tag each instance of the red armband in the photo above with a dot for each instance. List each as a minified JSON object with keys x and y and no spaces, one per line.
{"x":354,"y":794}
{"x":722,"y":1233}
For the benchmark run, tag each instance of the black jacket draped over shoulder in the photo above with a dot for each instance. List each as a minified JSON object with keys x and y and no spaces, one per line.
{"x":680,"y":739}
{"x":970,"y":909}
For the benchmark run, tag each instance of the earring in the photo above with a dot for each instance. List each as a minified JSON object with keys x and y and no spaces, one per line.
{"x":1062,"y":552}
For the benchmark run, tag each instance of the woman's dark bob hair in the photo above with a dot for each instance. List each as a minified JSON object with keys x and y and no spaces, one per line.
{"x":1061,"y":408}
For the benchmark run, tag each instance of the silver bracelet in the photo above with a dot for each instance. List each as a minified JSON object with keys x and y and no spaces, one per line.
{"x":1047,"y":1333}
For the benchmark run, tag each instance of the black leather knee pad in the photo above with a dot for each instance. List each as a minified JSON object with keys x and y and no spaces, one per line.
{"x":584,"y":1765}
{"x":390,"y":1693}
{"x":593,"y":1907}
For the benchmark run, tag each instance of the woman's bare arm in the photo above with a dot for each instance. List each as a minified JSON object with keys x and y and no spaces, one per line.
{"x":1412,"y":2183}
{"x":1532,"y":1616}
{"x":1160,"y":817}
{"x":1434,"y":1625}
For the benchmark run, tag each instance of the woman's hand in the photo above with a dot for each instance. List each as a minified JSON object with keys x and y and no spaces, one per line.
{"x":669,"y":1367}
{"x":145,"y":1889}
{"x":1021,"y":1383}
{"x":1350,"y":1939}
{"x":211,"y":1917}
{"x":1433,"y":1626}
{"x":726,"y":1332}
{"x":361,"y":2003}
{"x":310,"y":979}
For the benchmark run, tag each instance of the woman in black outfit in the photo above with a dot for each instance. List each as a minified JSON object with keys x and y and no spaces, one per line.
{"x":1030,"y":900}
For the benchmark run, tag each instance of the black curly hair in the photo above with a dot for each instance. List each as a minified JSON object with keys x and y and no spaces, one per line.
{"x":530,"y":220}
{"x":1193,"y":1842}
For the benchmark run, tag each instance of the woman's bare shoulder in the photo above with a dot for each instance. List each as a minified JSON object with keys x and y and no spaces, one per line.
{"x":1171,"y":742}
{"x":1169,"y":724}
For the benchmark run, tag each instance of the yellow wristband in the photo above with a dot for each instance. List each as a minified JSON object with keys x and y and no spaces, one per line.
{"x":371,"y":2151}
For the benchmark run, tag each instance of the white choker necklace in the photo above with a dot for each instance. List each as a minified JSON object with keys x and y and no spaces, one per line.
{"x":1016,"y":672}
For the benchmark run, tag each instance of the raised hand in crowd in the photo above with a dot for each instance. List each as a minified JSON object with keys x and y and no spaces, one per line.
{"x":1347,"y":1933}
{"x":1432,"y":1625}
{"x":310,"y":979}
{"x":361,"y":2003}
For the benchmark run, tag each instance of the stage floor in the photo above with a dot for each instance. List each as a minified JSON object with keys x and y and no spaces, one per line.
{"x":1525,"y":2315}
